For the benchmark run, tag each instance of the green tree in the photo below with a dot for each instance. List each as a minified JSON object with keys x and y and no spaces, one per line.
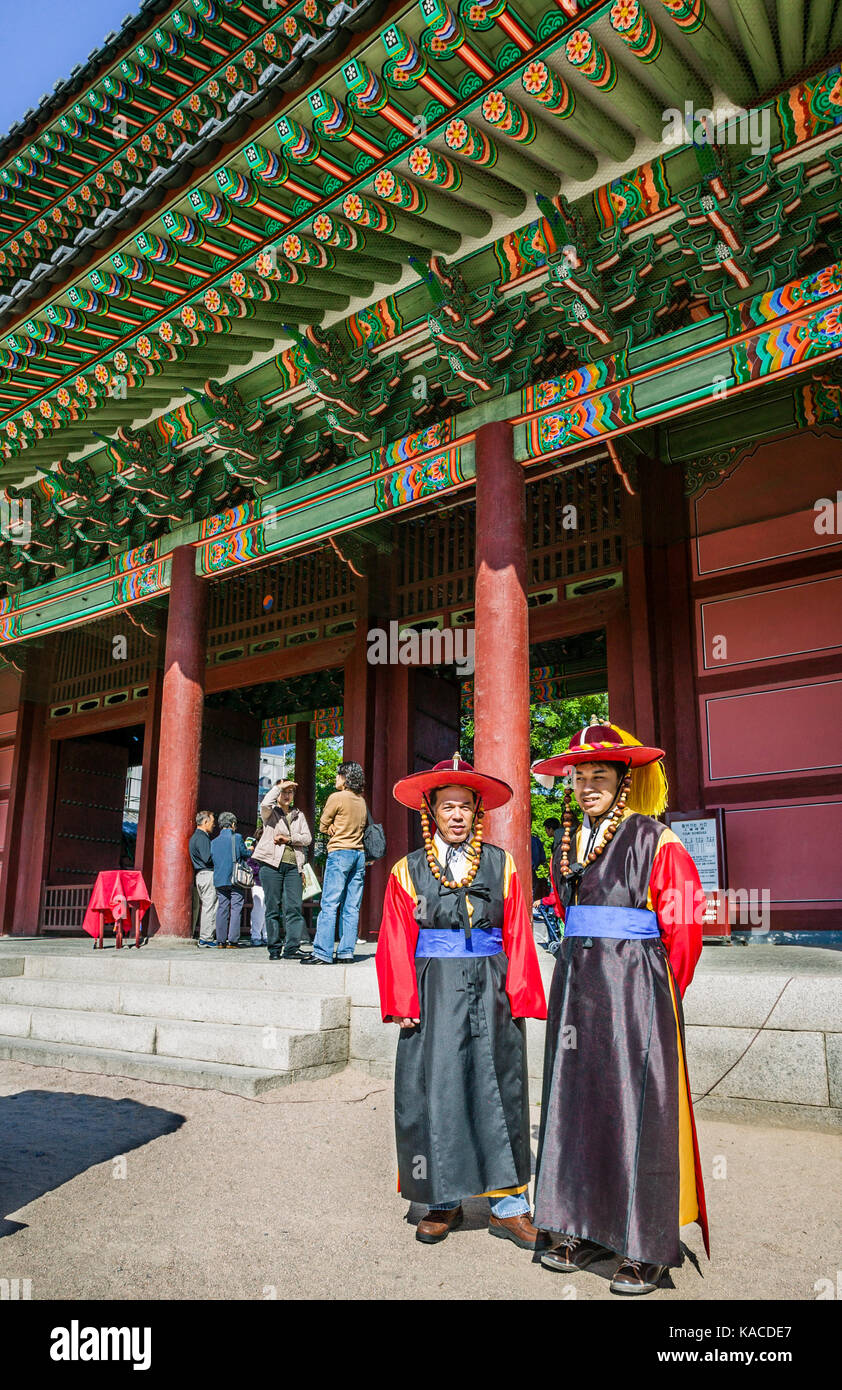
{"x":328,"y":758}
{"x":552,"y":725}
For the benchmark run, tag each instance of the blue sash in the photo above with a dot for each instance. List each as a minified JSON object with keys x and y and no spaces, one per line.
{"x":621,"y":923}
{"x":438,"y":941}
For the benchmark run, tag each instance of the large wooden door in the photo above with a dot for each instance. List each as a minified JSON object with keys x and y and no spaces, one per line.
{"x":87,"y":833}
{"x":230,"y":770}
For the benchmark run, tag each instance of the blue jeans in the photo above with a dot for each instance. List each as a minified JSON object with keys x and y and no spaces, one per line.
{"x":500,"y":1206}
{"x":342,"y":890}
{"x":550,"y":921}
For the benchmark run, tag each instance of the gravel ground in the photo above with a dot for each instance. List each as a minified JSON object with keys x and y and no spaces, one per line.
{"x":116,"y":1189}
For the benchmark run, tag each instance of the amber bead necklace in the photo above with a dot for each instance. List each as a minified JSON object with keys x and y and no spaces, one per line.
{"x":569,"y":821}
{"x":473,"y":850}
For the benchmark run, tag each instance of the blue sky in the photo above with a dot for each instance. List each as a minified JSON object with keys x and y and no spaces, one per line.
{"x":41,"y":40}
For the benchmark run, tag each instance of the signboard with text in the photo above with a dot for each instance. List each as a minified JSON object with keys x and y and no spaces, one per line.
{"x":703,"y":835}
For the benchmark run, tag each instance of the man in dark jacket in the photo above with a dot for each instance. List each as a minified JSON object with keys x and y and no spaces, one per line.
{"x":204,"y":894}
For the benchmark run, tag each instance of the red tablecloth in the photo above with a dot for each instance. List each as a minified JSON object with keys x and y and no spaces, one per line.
{"x":116,"y":890}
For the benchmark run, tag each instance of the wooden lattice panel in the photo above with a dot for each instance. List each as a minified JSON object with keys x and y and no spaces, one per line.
{"x":436,"y":552}
{"x":557,"y":549}
{"x":315,"y":592}
{"x":63,"y":906}
{"x":436,"y":563}
{"x":89,"y":664}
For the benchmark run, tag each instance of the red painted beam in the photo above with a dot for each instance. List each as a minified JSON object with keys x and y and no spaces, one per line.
{"x":279,"y":665}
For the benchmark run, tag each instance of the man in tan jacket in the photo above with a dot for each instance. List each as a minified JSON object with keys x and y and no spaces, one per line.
{"x":280,"y":854}
{"x":343,"y":820}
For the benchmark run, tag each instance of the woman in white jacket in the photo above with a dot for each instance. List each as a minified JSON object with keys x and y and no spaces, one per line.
{"x":280,"y":854}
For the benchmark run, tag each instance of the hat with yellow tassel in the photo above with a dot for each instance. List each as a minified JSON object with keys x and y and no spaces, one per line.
{"x":606,"y":743}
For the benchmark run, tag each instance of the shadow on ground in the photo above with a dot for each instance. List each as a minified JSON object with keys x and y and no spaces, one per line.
{"x":51,"y":1136}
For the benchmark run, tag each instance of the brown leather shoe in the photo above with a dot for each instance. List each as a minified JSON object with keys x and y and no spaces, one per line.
{"x":632,"y":1277}
{"x":572,"y":1254}
{"x":519,"y":1229}
{"x":436,"y":1225}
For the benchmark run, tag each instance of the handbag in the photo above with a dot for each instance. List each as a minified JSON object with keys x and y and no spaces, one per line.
{"x":310,"y":886}
{"x":242,"y":876}
{"x":374,"y":841}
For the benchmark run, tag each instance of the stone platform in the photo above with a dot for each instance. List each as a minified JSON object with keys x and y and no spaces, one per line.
{"x":764,"y":1034}
{"x":764,"y":1024}
{"x":230,"y":1021}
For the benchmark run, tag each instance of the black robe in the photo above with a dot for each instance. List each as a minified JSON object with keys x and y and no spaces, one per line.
{"x":461,"y":1087}
{"x":615,"y":1092}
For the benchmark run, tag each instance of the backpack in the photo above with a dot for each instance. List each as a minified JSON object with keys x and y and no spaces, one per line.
{"x":374,"y":841}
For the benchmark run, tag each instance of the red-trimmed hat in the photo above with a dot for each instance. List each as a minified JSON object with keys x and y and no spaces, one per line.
{"x":454,"y":772}
{"x":600,"y":743}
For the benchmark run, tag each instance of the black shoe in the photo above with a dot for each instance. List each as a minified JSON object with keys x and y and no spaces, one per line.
{"x":345,"y":960}
{"x":274,"y":955}
{"x":295,"y":955}
{"x":314,"y":960}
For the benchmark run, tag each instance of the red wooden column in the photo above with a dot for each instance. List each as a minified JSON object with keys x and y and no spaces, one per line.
{"x":15,"y":738}
{"x":305,"y":772}
{"x":31,"y":795}
{"x":37,"y":785}
{"x":182,"y":705}
{"x":501,"y":678}
{"x":26,"y":820}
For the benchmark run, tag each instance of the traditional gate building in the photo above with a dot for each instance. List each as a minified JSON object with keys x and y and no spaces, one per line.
{"x":515,"y":318}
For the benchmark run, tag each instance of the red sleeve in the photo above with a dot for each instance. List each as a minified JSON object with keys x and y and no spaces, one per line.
{"x":554,"y":901}
{"x":679,"y":901}
{"x":395,"y":955}
{"x":524,"y":985}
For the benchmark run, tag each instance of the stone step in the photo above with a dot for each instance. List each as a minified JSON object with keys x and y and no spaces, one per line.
{"x":305,"y":1011}
{"x":249,"y":969}
{"x":169,"y":1071}
{"x":267,"y":1047}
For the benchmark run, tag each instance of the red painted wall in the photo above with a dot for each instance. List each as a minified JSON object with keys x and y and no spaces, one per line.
{"x":767,"y":592}
{"x":805,"y":883}
{"x":784,"y":622}
{"x":764,"y":512}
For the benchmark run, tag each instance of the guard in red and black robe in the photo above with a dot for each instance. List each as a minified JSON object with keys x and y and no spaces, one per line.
{"x":618,"y":1162}
{"x":458,"y":971}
